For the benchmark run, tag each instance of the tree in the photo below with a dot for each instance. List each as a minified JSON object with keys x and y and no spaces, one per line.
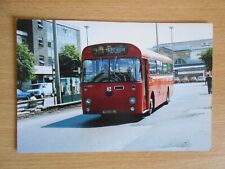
{"x":69,"y":60}
{"x":25,"y":64}
{"x":206,"y":57}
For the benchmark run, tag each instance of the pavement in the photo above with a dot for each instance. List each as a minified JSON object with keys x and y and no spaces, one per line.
{"x":182,"y":125}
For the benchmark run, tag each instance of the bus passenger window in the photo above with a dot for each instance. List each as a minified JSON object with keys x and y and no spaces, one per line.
{"x":170,"y":68}
{"x":165,"y":68}
{"x":152,"y":64}
{"x":159,"y":67}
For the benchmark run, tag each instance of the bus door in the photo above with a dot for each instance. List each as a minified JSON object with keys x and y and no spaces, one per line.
{"x":145,"y":84}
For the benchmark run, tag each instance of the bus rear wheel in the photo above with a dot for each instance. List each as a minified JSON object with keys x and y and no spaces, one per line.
{"x":151,"y":106}
{"x":167,"y":97}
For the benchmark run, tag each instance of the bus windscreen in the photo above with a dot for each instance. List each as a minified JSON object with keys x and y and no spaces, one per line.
{"x":112,"y":70}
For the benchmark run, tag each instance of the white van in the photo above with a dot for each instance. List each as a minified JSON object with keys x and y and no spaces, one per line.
{"x":41,"y":89}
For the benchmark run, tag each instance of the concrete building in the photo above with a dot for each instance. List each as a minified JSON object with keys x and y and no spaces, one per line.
{"x":38,"y":34}
{"x":186,"y":56}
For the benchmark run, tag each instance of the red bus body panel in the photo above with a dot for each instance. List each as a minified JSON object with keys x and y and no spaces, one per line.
{"x":117,"y":102}
{"x":159,"y":86}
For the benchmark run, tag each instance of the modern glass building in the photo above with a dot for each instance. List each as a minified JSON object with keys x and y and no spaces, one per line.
{"x":186,"y":56}
{"x":65,"y":36}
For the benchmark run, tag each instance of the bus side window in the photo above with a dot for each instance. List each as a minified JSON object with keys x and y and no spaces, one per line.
{"x":170,"y":68}
{"x":153,"y":69}
{"x":165,"y":68}
{"x":159,"y":67}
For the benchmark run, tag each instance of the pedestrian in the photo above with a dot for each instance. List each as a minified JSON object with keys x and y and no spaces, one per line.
{"x":208,"y":80}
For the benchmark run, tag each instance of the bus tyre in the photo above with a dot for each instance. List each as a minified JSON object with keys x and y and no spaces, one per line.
{"x":151,"y":105}
{"x":167,"y":97}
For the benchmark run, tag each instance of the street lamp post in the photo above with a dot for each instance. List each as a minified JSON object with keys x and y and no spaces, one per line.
{"x":57,"y":69}
{"x":86,"y":27}
{"x":157,"y":41}
{"x":53,"y":81}
{"x":171,"y":33}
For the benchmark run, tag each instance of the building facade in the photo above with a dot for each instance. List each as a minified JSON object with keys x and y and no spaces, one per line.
{"x":186,"y":56}
{"x":38,"y":34}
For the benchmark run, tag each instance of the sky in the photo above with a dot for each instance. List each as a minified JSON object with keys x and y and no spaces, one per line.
{"x":140,"y":34}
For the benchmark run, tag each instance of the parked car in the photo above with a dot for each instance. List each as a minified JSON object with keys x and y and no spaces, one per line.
{"x":184,"y":80}
{"x":22,"y":95}
{"x":41,"y":89}
{"x":201,"y":79}
{"x":176,"y":80}
{"x":192,"y":79}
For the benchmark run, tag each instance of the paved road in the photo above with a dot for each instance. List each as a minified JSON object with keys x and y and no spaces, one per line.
{"x":183,"y":125}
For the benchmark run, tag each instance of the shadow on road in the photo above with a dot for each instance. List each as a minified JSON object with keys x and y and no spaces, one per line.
{"x":90,"y":121}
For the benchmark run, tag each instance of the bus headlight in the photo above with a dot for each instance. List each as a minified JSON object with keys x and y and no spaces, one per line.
{"x":88,"y":101}
{"x":132,"y":108}
{"x":132,"y":100}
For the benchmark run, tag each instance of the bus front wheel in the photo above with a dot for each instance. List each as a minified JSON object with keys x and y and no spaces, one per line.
{"x":152,"y":105}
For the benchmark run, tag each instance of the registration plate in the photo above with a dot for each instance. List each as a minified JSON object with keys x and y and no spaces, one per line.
{"x":109,"y":112}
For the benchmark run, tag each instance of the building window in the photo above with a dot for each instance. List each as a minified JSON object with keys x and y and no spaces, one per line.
{"x":180,"y":61}
{"x":41,"y":60}
{"x":50,"y":61}
{"x":40,"y":42}
{"x":21,"y":39}
{"x":40,"y":24}
{"x":24,"y":40}
{"x":50,"y":44}
{"x":204,"y":44}
{"x":65,"y":30}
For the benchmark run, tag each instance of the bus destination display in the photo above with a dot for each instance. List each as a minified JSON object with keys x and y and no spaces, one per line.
{"x":107,"y":50}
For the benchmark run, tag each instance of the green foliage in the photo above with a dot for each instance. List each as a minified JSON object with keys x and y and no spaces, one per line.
{"x":25,"y":63}
{"x":69,"y":60}
{"x":206,"y":57}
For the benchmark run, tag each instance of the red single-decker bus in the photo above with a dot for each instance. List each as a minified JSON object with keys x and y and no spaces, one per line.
{"x":119,"y":78}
